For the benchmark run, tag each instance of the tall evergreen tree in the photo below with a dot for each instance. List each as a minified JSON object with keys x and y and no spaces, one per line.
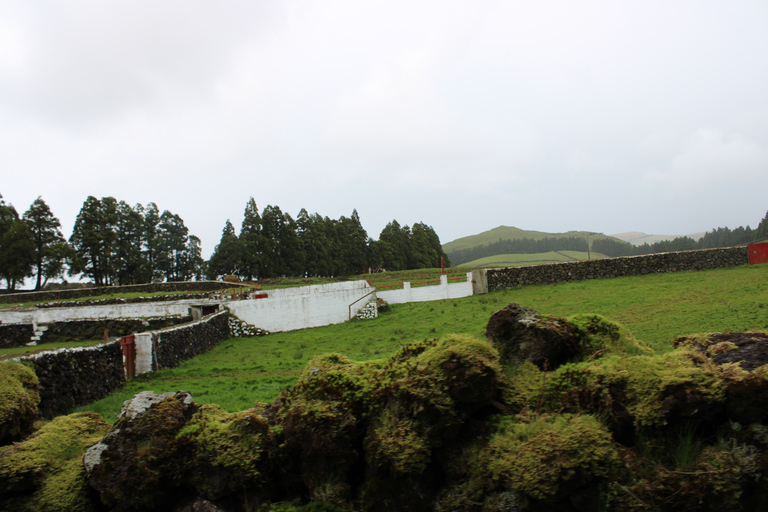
{"x":761,"y":233}
{"x":250,"y":231}
{"x":50,"y":249}
{"x":131,"y":267}
{"x":17,"y":246}
{"x":173,"y":235}
{"x":151,"y":241}
{"x":91,"y":242}
{"x":226,"y":256}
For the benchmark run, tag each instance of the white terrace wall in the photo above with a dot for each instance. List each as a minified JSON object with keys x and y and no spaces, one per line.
{"x":288,"y":309}
{"x":38,"y":316}
{"x":427,"y":293}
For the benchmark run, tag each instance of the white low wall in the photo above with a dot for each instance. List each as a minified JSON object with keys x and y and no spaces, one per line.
{"x":37,"y":316}
{"x":427,"y":293}
{"x":285,"y":309}
{"x":289,"y":309}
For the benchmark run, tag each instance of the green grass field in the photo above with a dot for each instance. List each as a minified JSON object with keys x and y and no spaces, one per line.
{"x":654,"y":308}
{"x":516,"y":260}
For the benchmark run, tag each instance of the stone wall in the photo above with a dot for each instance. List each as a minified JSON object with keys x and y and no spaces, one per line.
{"x":76,"y":293}
{"x":79,"y":330}
{"x":78,"y":376}
{"x":177,"y":344}
{"x":705,"y":259}
{"x":15,"y":335}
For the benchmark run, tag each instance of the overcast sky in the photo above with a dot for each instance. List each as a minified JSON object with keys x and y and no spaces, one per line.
{"x":607,"y":116}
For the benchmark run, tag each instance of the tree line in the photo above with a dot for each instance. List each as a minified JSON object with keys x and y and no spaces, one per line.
{"x":720,"y":237}
{"x":273,"y":244}
{"x":114,"y":243}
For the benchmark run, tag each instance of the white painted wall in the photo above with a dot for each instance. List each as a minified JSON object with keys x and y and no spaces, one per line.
{"x":38,"y":316}
{"x":289,"y":309}
{"x":427,"y":293}
{"x":284,"y":309}
{"x":144,"y":352}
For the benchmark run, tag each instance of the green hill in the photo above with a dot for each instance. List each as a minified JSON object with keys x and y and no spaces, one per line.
{"x":501,"y":242}
{"x":515,"y":260}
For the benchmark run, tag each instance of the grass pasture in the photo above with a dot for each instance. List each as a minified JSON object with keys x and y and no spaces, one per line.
{"x":654,"y":308}
{"x":515,"y":260}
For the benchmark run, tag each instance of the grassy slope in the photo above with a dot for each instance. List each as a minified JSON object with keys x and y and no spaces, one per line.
{"x":514,"y":260}
{"x":510,"y":233}
{"x":656,"y":308}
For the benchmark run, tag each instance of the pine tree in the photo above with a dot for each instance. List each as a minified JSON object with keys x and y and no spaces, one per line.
{"x":17,"y":246}
{"x":226,"y":255}
{"x":250,"y":231}
{"x":761,"y":233}
{"x":50,"y":249}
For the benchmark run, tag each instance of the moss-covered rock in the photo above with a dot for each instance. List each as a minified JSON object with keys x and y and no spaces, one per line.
{"x":547,"y":460}
{"x":140,"y":465}
{"x":230,"y":453}
{"x":45,"y":472}
{"x":369,"y":431}
{"x":19,"y":399}
{"x":626,"y":392}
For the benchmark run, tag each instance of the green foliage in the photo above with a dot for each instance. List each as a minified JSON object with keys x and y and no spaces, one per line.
{"x":542,"y":458}
{"x":598,"y":335}
{"x":51,"y":250}
{"x":227,"y":447}
{"x":539,"y":457}
{"x":18,"y":401}
{"x":17,"y":246}
{"x":614,"y":386}
{"x":45,"y":472}
{"x":117,"y":244}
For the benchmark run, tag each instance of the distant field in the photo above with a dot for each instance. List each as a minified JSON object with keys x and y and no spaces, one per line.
{"x":515,"y":260}
{"x":654,"y":308}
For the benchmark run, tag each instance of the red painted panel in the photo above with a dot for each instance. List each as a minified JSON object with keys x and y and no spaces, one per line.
{"x":758,"y":253}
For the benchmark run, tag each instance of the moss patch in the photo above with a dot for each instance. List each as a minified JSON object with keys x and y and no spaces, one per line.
{"x":45,"y":472}
{"x":19,"y":398}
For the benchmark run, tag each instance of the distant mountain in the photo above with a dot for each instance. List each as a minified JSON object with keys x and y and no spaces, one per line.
{"x":512,"y":233}
{"x":636,"y":238}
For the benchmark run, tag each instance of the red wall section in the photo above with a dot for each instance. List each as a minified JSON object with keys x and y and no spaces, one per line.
{"x":758,"y":253}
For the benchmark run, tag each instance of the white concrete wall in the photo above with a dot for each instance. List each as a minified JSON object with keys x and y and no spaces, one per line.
{"x":144,"y":352}
{"x":38,"y":316}
{"x":441,"y":291}
{"x":289,"y":309}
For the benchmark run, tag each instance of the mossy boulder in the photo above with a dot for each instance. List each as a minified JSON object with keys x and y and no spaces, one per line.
{"x":369,"y":432}
{"x":520,"y":334}
{"x":45,"y":472}
{"x":140,"y":464}
{"x":165,"y":451}
{"x":19,"y":399}
{"x":543,"y":463}
{"x":229,"y":454}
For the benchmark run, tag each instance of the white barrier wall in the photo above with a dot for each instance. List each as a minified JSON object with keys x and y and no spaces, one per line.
{"x":38,"y":316}
{"x":289,"y":309}
{"x":427,"y":293}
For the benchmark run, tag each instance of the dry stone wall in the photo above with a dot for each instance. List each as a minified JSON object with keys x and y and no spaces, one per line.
{"x":174,"y":345}
{"x":705,"y":259}
{"x":78,"y":376}
{"x":15,"y":335}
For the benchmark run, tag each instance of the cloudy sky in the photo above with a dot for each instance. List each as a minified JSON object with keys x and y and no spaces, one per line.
{"x":549,"y":115}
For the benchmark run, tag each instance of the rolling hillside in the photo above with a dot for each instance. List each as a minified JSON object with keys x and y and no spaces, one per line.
{"x":514,"y":260}
{"x":489,"y":248}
